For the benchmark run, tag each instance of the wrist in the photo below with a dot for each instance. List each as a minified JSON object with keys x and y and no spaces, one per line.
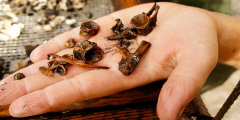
{"x":228,"y":31}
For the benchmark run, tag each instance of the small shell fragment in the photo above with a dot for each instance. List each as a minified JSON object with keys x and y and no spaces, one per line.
{"x":4,"y":37}
{"x":50,"y":14}
{"x":79,"y":3}
{"x":68,"y":56}
{"x":46,"y":71}
{"x":89,"y":28}
{"x":15,"y":31}
{"x":38,"y":28}
{"x":87,"y":51}
{"x":47,"y":28}
{"x":53,"y":64}
{"x":70,"y":21}
{"x":70,"y":43}
{"x":61,"y":70}
{"x":13,"y":16}
{"x":19,"y":76}
{"x":21,"y":26}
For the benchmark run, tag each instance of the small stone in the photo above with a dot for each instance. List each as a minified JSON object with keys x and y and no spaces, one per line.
{"x":56,"y":21}
{"x":70,"y":21}
{"x":79,"y":4}
{"x":14,"y":31}
{"x":13,"y":16}
{"x":38,"y":28}
{"x":47,"y":28}
{"x":21,"y":25}
{"x":70,"y":43}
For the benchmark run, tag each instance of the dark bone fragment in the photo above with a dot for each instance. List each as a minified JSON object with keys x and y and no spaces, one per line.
{"x":89,"y":28}
{"x":126,"y":33}
{"x":129,"y":60}
{"x":144,"y":23}
{"x":87,"y":51}
{"x":121,"y":33}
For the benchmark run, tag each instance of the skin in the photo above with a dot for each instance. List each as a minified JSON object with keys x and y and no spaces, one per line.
{"x":187,"y":43}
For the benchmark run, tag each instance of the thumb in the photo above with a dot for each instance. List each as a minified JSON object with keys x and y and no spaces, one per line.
{"x":182,"y":86}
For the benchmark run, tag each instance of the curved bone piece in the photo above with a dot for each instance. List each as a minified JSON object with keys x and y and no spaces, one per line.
{"x":89,"y":28}
{"x":130,"y":60}
{"x":87,"y":51}
{"x":143,"y":22}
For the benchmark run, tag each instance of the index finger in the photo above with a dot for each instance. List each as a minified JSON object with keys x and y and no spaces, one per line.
{"x":89,"y":85}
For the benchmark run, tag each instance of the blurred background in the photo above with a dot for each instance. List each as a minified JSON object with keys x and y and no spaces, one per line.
{"x":25,"y":24}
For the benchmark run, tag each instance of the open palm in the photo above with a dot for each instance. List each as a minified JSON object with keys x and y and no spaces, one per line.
{"x":184,"y":49}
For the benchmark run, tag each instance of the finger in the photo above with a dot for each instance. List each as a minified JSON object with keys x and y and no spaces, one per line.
{"x":32,"y":83}
{"x":183,"y":85}
{"x":34,"y":80}
{"x":91,"y":84}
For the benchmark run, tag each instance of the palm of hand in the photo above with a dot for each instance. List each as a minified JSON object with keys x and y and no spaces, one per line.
{"x":184,"y":50}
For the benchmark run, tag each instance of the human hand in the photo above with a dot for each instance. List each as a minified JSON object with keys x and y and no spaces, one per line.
{"x":184,"y":49}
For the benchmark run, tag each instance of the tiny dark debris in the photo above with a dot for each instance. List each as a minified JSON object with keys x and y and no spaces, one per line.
{"x":124,"y":43}
{"x":235,"y":50}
